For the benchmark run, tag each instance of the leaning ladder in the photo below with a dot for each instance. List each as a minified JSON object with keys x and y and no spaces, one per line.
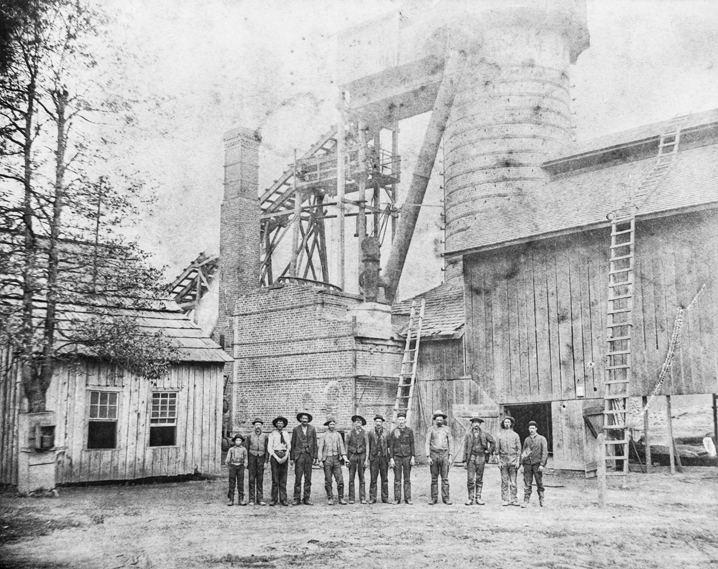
{"x":407,"y":376}
{"x":620,"y":303}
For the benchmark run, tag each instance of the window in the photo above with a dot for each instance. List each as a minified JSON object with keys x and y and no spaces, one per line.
{"x":102,"y":421}
{"x":163,"y":420}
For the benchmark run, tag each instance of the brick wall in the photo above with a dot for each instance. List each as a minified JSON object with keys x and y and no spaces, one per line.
{"x":296,"y":348}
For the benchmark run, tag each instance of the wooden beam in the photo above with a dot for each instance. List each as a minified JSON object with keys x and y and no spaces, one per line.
{"x":646,"y":439}
{"x":715,"y":417}
{"x":601,"y":470}
{"x":671,"y":448}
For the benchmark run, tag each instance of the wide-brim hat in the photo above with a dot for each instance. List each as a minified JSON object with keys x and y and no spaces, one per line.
{"x":379,"y":417}
{"x":532,"y":423}
{"x":438,"y":414}
{"x":329,"y":420}
{"x":283,"y":419}
{"x":513,"y":421}
{"x":358,"y":418}
{"x":476,"y":420}
{"x":237,"y":436}
{"x":258,"y":420}
{"x":309,"y":416}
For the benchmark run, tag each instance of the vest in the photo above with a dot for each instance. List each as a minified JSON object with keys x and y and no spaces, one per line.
{"x":357,"y":442}
{"x":303,"y":441}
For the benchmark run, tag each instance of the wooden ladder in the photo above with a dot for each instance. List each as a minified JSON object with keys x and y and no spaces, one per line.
{"x":619,"y":322}
{"x":407,"y":376}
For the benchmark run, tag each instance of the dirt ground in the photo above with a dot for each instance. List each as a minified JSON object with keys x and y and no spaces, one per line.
{"x":657,"y":521}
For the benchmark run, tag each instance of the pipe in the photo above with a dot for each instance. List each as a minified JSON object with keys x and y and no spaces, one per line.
{"x":422,"y":171}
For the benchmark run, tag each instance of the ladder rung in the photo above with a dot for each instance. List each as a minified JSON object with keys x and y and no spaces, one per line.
{"x":618,"y":325}
{"x":619,"y":271}
{"x":624,"y":283}
{"x":614,"y":411}
{"x":618,"y":353}
{"x":621,"y":258}
{"x":621,"y":442}
{"x":622,"y":232}
{"x":617,"y":245}
{"x":620,"y":297}
{"x":620,"y":311}
{"x":616,"y":396}
{"x":615,"y":427}
{"x":615,"y":382}
{"x":618,"y":338}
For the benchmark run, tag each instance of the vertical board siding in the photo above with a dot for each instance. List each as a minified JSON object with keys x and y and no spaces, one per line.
{"x":198,"y":423}
{"x":536,"y":313}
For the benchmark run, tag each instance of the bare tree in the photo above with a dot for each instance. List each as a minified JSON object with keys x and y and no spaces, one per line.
{"x":61,"y":213}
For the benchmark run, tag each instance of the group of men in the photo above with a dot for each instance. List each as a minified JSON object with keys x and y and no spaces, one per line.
{"x":379,"y":451}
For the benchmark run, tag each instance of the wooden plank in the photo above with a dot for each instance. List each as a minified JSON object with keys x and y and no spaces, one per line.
{"x":64,"y":411}
{"x":514,"y":384}
{"x":134,"y":417}
{"x":488,"y":347}
{"x":568,"y":435}
{"x":574,"y":263}
{"x":565,"y":337}
{"x":80,"y":466}
{"x":645,"y":344}
{"x":671,"y":440}
{"x":218,"y":379}
{"x":646,"y":437}
{"x":197,"y":423}
{"x":543,"y":341}
{"x":142,"y":434}
{"x":530,"y":329}
{"x":183,"y":418}
{"x":475,"y":332}
{"x":671,"y":303}
{"x":551,"y":287}
{"x":521,"y":373}
{"x":589,"y":357}
{"x":598,"y":294}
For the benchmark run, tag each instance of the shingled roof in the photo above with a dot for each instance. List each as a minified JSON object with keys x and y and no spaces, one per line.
{"x":594,"y":180}
{"x":443,"y":311}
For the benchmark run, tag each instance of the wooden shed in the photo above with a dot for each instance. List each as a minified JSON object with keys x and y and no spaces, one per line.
{"x":113,"y":425}
{"x":535,"y":289}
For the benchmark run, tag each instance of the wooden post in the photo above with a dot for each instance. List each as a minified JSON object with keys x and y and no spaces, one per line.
{"x":646,"y":440}
{"x":361,"y":193}
{"x":601,"y":470}
{"x":715,"y":417}
{"x":297,"y":221}
{"x":671,"y":450}
{"x":341,"y":187}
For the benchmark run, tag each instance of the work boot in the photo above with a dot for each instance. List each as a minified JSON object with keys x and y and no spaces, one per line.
{"x":296,"y":503}
{"x":308,"y":502}
{"x":409,"y":502}
{"x":342,"y":501}
{"x":397,"y":502}
{"x":351,"y":501}
{"x":506,"y":503}
{"x":541,"y":500}
{"x":230,"y":497}
{"x":479,"y":501}
{"x":470,"y":501}
{"x":364,"y":501}
{"x":525,"y":503}
{"x":330,"y":501}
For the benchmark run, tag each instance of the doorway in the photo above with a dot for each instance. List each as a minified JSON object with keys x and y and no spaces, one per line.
{"x":539,"y":412}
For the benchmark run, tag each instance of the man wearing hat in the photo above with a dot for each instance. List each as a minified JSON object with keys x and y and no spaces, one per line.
{"x":402,"y":452}
{"x":236,"y":463}
{"x":478,"y":446}
{"x":257,"y":443}
{"x":331,"y":454}
{"x":508,"y":449}
{"x":304,"y":454}
{"x":534,"y":457}
{"x":438,"y":451}
{"x":378,"y":460}
{"x":279,"y":448}
{"x":357,"y":445}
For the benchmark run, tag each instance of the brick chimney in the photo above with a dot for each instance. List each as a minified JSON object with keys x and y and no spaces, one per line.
{"x":239,"y":226}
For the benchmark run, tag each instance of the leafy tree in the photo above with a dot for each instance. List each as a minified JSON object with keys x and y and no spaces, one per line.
{"x":62,"y":214}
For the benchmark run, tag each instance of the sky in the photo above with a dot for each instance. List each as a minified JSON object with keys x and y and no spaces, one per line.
{"x":270,"y":65}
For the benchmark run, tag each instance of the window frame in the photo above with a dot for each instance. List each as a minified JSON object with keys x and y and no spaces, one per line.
{"x":109,"y":393}
{"x":163,"y":422}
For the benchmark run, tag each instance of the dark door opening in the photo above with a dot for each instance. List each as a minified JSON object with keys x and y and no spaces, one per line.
{"x":539,"y":412}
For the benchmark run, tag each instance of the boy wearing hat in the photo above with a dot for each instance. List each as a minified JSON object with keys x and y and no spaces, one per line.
{"x":236,"y":459}
{"x":378,"y":460}
{"x":401,"y":451}
{"x":304,"y":454}
{"x":279,"y":449}
{"x":331,"y":454}
{"x":508,"y":449}
{"x":534,"y":457}
{"x":478,"y":445}
{"x":357,"y":445}
{"x":257,"y":456}
{"x":438,"y":451}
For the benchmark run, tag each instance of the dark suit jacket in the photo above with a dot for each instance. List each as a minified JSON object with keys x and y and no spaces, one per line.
{"x":377,"y":450}
{"x":298,"y":443}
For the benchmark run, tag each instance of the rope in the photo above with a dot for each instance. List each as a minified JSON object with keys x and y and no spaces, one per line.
{"x":670,"y":356}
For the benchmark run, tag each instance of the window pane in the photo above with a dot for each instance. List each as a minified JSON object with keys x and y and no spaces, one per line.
{"x":103,"y":398}
{"x":94,"y":397}
{"x":93,"y":411}
{"x":103,"y":412}
{"x":162,"y":436}
{"x":102,"y":434}
{"x":112,"y":399}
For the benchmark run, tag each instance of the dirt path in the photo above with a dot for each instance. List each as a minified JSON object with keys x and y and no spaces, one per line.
{"x":658,"y":521}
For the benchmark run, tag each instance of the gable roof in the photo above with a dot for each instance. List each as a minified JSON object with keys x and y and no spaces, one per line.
{"x":443,"y":311}
{"x":593,"y":181}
